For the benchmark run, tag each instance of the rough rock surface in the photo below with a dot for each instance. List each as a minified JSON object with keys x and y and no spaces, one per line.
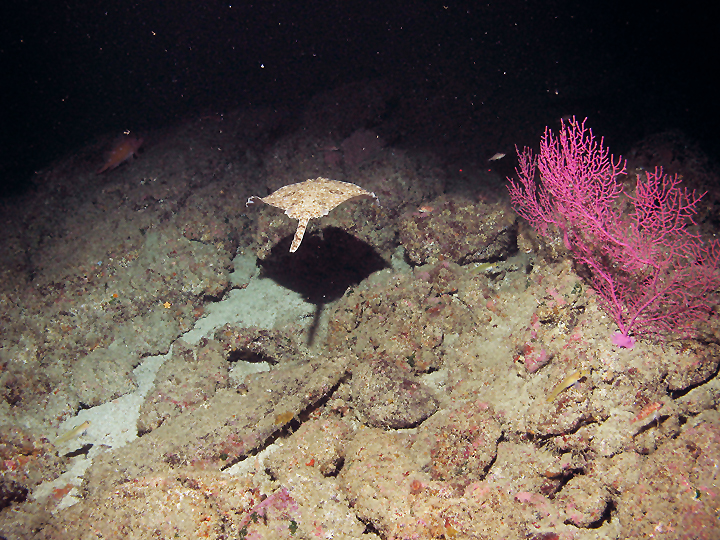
{"x":24,"y":462}
{"x":241,"y":343}
{"x":676,"y":493}
{"x":182,"y":504}
{"x":231,"y":424}
{"x":101,"y":375}
{"x":404,"y":318}
{"x":390,"y":397}
{"x":186,"y":380}
{"x":458,"y":230}
{"x":527,"y":421}
{"x":462,"y":441}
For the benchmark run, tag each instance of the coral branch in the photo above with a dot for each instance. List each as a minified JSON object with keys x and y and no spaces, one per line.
{"x":651,"y":273}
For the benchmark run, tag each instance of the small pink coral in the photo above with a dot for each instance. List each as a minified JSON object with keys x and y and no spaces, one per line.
{"x":621,"y":340}
{"x":534,"y":360}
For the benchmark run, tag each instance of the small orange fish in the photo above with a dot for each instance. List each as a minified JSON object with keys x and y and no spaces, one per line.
{"x":647,"y":411}
{"x":124,"y":149}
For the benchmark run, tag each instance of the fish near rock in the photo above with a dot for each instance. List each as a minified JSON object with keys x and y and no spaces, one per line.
{"x":123,"y":150}
{"x":567,"y":383}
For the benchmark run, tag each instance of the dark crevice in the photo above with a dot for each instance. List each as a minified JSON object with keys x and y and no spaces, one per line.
{"x":253,"y":357}
{"x":287,"y":428}
{"x":605,"y":517}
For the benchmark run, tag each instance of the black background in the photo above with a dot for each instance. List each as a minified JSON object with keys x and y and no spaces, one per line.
{"x":74,"y":69}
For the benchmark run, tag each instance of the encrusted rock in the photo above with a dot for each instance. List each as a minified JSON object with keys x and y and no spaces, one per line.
{"x":584,"y":499}
{"x":103,"y":375}
{"x":230,"y":425}
{"x":676,"y":486}
{"x":389,"y":397}
{"x":25,"y":462}
{"x":252,"y":343}
{"x":404,"y":317}
{"x":318,"y":443}
{"x":458,"y":230}
{"x":462,"y":442}
{"x":692,"y":366}
{"x":190,"y":377}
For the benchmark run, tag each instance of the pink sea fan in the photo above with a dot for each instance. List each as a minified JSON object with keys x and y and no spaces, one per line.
{"x":652,"y":274}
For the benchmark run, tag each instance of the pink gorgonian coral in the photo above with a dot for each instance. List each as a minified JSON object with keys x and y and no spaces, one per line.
{"x":652,"y":273}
